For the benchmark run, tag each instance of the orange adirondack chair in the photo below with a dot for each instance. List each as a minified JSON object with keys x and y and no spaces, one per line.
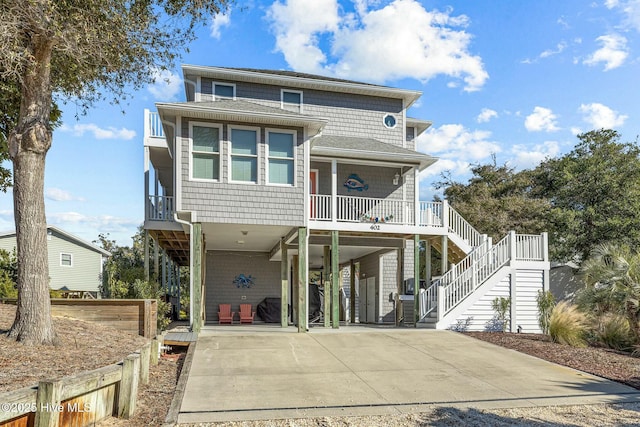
{"x":246,"y":313}
{"x":225,"y":315}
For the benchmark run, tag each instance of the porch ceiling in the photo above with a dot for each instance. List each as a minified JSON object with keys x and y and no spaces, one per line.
{"x":258,"y":238}
{"x":175,"y":243}
{"x":161,"y":160}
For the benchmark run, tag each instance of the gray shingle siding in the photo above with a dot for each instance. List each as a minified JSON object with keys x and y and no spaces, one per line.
{"x":223,"y":267}
{"x":348,"y":114}
{"x":225,"y":202}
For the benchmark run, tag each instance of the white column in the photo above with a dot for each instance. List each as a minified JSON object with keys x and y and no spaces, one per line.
{"x":334,"y":190}
{"x":416,"y":196}
{"x":146,"y":177}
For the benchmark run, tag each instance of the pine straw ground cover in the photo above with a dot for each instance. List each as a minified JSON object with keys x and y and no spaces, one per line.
{"x":84,"y":346}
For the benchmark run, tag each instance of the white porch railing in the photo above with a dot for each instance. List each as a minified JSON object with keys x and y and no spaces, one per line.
{"x":431,"y":214}
{"x":361,"y":209}
{"x":462,"y":228}
{"x":160,"y":208}
{"x":153,"y":125}
{"x":466,"y":276}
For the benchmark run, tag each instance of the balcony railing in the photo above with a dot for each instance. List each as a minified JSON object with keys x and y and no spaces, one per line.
{"x":160,"y":208}
{"x":153,"y":125}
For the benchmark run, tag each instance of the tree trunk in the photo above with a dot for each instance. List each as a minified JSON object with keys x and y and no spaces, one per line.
{"x":28,"y":146}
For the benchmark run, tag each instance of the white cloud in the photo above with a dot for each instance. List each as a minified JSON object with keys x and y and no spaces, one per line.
{"x":400,"y":40}
{"x":218,"y":22}
{"x":529,"y":157}
{"x":297,"y":25}
{"x":600,"y":116}
{"x":550,"y":52}
{"x":98,"y":132}
{"x":613,"y":52}
{"x":486,"y":114}
{"x":100,"y":223}
{"x":457,"y":147}
{"x":166,"y":85}
{"x":59,"y":195}
{"x":630,"y":9}
{"x":542,"y":119}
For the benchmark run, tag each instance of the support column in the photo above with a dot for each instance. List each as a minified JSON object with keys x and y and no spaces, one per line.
{"x":352,"y":292}
{"x":428,"y":274}
{"x":303,"y":281}
{"x":284,"y":284}
{"x":335,"y":281}
{"x":326,"y":281}
{"x":156,"y":261}
{"x":295,"y":290}
{"x":334,"y":190}
{"x":444,"y":262}
{"x":400,"y":282}
{"x":178,"y":284}
{"x":147,"y":273}
{"x":196,"y":271}
{"x":416,"y":278}
{"x":163,"y":281}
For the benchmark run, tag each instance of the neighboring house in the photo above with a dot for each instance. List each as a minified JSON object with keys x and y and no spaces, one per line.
{"x":74,"y":263}
{"x":262,"y":176}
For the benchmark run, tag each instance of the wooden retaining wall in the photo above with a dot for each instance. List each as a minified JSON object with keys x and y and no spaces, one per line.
{"x":83,"y":399}
{"x":137,"y":316}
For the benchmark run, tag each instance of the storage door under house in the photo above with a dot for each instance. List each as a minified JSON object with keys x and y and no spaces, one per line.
{"x":367,"y":300}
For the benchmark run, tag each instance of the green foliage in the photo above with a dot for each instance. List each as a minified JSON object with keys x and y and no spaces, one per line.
{"x":545,"y":301}
{"x":613,"y":331}
{"x":497,"y":199}
{"x":123,"y":276}
{"x":7,"y":286}
{"x":9,"y":264}
{"x":612,"y":279}
{"x":502,"y":307}
{"x":587,"y":197}
{"x":595,"y":194}
{"x":567,"y":325}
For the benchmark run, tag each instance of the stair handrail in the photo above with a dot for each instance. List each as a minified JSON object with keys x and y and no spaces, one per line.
{"x":429,"y":297}
{"x":462,"y":280}
{"x":462,"y":228}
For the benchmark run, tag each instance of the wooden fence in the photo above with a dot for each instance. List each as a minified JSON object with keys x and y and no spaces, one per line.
{"x":137,"y":316}
{"x":83,"y":399}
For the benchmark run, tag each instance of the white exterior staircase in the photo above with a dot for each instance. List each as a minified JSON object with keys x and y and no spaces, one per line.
{"x":485,"y":265}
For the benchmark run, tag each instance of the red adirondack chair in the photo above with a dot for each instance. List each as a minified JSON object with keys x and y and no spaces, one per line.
{"x":225,"y":315}
{"x":246,"y":313}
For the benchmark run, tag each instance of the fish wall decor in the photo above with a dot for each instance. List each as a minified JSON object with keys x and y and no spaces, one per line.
{"x":354,"y":182}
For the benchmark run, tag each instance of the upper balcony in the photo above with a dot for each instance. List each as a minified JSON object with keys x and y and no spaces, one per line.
{"x":153,"y":130}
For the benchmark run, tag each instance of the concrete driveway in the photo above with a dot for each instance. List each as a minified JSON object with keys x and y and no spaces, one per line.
{"x":251,"y":373}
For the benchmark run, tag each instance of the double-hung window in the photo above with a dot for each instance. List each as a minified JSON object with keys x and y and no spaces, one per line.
{"x":205,"y":151}
{"x":244,"y":154}
{"x":224,"y":91}
{"x":291,"y":100}
{"x":66,"y":260}
{"x":280,"y":158}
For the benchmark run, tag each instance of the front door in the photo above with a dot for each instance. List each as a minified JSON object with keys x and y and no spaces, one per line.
{"x":371,"y":300}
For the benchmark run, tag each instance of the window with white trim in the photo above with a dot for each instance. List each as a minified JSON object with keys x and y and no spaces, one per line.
{"x":224,"y":91}
{"x":244,"y":154}
{"x":66,"y":260}
{"x":280,"y":157}
{"x":205,"y":151}
{"x":291,"y":100}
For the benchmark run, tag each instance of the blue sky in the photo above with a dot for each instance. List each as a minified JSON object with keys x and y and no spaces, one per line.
{"x":518,"y":79}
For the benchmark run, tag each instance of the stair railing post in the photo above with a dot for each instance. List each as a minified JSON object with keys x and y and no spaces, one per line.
{"x":445,"y":215}
{"x":440,"y":293}
{"x":545,"y":246}
{"x":513,"y":250}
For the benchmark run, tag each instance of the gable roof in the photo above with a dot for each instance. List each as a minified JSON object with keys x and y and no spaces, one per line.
{"x":294,"y":79}
{"x":368,"y":148}
{"x":75,"y":239}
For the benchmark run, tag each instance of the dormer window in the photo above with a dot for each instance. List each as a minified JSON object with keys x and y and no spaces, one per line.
{"x":224,"y":91}
{"x":292,"y":100}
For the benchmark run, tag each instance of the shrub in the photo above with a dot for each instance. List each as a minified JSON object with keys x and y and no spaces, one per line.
{"x":613,"y":331}
{"x":502,"y":307}
{"x":7,"y":286}
{"x":546,"y":301}
{"x":567,"y":325}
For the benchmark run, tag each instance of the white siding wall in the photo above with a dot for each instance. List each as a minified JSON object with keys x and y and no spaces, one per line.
{"x":529,"y":284}
{"x":84,"y":273}
{"x":481,"y":313}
